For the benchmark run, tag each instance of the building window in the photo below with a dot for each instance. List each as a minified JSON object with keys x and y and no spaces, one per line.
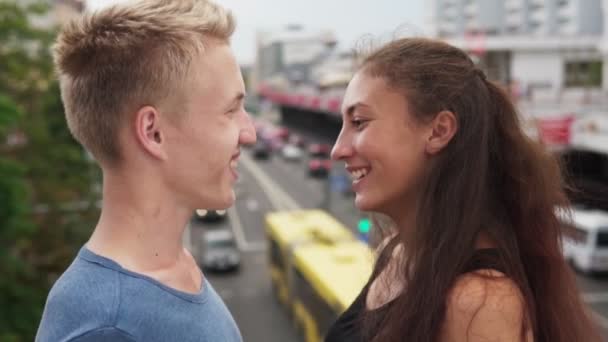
{"x":584,"y":74}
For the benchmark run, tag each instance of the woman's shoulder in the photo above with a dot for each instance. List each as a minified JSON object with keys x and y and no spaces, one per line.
{"x":485,"y":305}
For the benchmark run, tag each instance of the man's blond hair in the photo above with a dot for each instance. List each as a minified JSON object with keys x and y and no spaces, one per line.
{"x":116,"y":60}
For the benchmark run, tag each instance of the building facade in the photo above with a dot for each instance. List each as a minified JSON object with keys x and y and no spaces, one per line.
{"x":553,"y":51}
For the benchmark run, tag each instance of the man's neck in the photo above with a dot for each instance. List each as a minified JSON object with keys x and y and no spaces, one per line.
{"x":141,"y":226}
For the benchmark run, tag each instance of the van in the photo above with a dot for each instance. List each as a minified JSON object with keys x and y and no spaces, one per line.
{"x":585,"y":239}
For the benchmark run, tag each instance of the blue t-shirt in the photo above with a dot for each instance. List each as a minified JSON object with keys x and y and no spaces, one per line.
{"x":98,"y":300}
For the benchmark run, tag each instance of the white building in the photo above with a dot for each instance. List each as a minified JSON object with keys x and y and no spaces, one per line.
{"x":291,"y":52}
{"x":553,"y":49}
{"x":519,"y":17}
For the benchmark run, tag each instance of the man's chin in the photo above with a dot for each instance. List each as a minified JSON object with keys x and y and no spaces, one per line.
{"x":226,"y":200}
{"x":219,"y":201}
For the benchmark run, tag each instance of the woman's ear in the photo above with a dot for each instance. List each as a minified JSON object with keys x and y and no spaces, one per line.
{"x":443,"y":128}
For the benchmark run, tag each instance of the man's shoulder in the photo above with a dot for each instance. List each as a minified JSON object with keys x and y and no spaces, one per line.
{"x":85,"y":296}
{"x":86,"y":282}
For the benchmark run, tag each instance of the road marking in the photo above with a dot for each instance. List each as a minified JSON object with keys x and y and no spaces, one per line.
{"x":239,"y":233}
{"x":237,"y":228}
{"x":256,"y":172}
{"x":279,"y":199}
{"x":252,"y":204}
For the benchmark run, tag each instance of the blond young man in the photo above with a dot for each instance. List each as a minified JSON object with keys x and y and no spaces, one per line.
{"x":153,"y":91}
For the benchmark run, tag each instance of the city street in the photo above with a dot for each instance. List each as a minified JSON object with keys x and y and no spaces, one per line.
{"x":276,"y":184}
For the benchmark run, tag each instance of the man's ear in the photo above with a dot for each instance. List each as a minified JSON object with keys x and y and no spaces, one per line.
{"x":148,"y":130}
{"x":443,"y":128}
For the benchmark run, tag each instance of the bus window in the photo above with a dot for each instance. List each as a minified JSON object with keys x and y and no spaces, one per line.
{"x":602,"y":238}
{"x":276,"y":257}
{"x":322,"y":312}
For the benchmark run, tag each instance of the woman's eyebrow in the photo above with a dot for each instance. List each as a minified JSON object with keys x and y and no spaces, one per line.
{"x":351,"y":108}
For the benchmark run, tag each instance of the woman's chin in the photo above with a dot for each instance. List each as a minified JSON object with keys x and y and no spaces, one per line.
{"x":363,"y":204}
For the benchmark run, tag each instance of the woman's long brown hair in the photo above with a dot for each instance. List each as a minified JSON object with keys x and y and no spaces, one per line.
{"x":491,"y":178}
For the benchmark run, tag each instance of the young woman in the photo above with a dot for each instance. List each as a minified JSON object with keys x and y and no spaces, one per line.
{"x":475,"y":252}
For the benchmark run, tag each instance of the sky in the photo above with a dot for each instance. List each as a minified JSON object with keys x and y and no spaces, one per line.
{"x":350,"y":20}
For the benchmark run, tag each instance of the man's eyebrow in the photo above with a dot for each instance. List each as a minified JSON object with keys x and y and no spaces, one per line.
{"x":238,"y":98}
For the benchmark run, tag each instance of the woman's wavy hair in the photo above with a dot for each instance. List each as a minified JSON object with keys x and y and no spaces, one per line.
{"x":490,"y":178}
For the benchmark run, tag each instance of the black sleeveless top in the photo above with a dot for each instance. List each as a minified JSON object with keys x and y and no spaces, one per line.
{"x":347,"y":327}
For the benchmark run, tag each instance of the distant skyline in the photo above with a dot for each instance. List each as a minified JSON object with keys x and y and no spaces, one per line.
{"x":348,"y":19}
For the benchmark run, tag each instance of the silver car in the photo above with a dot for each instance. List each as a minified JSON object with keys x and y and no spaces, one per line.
{"x":219,"y":250}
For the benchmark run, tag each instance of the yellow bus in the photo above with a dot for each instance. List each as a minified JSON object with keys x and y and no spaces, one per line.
{"x":287,"y":229}
{"x":326,"y":280}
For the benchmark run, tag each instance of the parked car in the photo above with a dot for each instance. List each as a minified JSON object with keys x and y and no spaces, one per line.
{"x":282,"y":133}
{"x":276,"y":143}
{"x":291,"y":152}
{"x":210,"y":215}
{"x":319,"y":167}
{"x":219,"y":251}
{"x":297,"y":140}
{"x":319,"y":150}
{"x":585,"y":238}
{"x":262,"y":149}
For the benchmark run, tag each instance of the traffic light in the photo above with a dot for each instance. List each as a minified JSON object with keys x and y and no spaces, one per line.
{"x":364,"y":225}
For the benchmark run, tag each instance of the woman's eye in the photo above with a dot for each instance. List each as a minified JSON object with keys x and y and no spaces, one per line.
{"x":358,"y":123}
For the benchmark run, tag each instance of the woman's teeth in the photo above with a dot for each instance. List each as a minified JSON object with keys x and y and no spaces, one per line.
{"x":358,"y":174}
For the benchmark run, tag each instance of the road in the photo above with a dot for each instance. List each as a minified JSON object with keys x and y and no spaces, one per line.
{"x":276,"y":184}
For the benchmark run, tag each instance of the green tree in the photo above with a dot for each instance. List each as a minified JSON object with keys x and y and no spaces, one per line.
{"x":47,"y":205}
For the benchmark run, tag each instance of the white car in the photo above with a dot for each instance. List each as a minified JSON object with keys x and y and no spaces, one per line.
{"x":291,"y":152}
{"x":585,"y":239}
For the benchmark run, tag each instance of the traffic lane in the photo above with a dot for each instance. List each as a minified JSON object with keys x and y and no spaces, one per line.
{"x":252,"y":204}
{"x":249,"y":297}
{"x":247,"y":292}
{"x":310,"y":192}
{"x":293,"y":178}
{"x":340,"y":205}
